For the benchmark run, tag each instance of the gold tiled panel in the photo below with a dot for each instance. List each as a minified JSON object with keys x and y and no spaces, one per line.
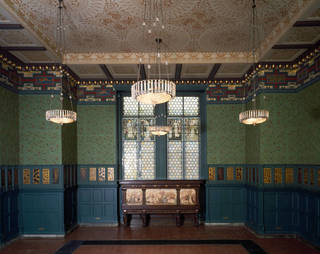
{"x":45,"y":176}
{"x":305,"y":176}
{"x":289,"y":176}
{"x":26,"y":176}
{"x":212,"y":174}
{"x":267,"y":175}
{"x":55,"y":176}
{"x":93,"y":174}
{"x":110,"y":174}
{"x":239,"y":174}
{"x":36,"y":176}
{"x":230,"y":174}
{"x":311,"y":176}
{"x":278,"y":175}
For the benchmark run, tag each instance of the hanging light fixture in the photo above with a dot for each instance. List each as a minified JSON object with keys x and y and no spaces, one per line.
{"x":254,"y":116}
{"x":156,"y":90}
{"x":160,"y":130}
{"x":61,"y":116}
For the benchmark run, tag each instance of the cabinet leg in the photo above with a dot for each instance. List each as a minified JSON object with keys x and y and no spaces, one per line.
{"x":144,"y":218}
{"x":127,"y":219}
{"x":196,"y":220}
{"x":178,"y":220}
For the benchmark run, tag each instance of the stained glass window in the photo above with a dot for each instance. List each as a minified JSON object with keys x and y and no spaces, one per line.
{"x":138,"y":145}
{"x":183,"y":141}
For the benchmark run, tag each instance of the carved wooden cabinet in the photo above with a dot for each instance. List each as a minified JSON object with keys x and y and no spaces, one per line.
{"x":146,"y":197}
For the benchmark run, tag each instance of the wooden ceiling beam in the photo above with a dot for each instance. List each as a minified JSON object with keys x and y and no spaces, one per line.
{"x":11,"y":27}
{"x":292,"y":46}
{"x":307,"y":23}
{"x":142,"y":69}
{"x":106,"y":71}
{"x":214,"y":71}
{"x":177,"y":74}
{"x":24,"y":48}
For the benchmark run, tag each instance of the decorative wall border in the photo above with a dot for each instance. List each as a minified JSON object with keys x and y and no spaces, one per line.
{"x":270,"y":78}
{"x":305,"y":176}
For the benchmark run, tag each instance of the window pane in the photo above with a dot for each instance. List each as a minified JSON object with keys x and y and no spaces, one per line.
{"x":130,"y":106}
{"x":175,"y":107}
{"x":146,"y":109}
{"x":191,"y":106}
{"x":175,"y":166}
{"x":138,"y":145}
{"x":184,"y":138}
{"x":192,"y":165}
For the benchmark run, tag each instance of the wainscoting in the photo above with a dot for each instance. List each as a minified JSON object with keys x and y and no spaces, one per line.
{"x":97,"y":204}
{"x":53,"y":199}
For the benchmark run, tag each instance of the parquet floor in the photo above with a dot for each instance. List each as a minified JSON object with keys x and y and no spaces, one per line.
{"x":165,"y":232}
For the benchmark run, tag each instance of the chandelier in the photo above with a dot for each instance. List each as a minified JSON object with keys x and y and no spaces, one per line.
{"x":61,"y":116}
{"x":160,"y":130}
{"x":154,"y":90}
{"x":254,"y":116}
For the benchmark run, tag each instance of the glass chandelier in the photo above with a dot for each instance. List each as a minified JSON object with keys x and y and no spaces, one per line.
{"x":61,"y":116}
{"x":159,"y":130}
{"x":156,"y":90}
{"x":254,"y":116}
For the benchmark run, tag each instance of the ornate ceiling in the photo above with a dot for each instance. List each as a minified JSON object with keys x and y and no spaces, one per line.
{"x":199,"y":33}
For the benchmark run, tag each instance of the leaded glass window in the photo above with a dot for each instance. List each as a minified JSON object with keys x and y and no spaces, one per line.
{"x":138,"y":145}
{"x":183,"y":158}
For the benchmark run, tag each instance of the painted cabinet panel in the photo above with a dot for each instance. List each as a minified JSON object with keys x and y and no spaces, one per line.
{"x":42,"y":212}
{"x":225,"y":204}
{"x":9,"y":225}
{"x":97,"y":204}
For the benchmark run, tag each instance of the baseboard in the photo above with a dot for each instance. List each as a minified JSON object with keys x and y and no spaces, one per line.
{"x":98,"y":224}
{"x":293,"y":235}
{"x":4,"y":244}
{"x":42,"y":236}
{"x":233,"y":224}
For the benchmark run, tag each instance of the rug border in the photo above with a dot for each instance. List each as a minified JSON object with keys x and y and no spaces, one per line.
{"x":250,"y":246}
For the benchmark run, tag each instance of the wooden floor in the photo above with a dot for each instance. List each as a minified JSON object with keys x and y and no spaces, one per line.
{"x":155,"y":232}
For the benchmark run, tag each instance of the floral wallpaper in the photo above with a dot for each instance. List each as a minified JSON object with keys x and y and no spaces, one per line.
{"x":96,"y":134}
{"x":40,"y":140}
{"x":9,"y":127}
{"x":291,"y":135}
{"x":69,"y":138}
{"x":225,"y":135}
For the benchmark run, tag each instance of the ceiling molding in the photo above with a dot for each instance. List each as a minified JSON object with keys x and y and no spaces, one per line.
{"x":24,"y":48}
{"x":106,"y":71}
{"x":11,"y":27}
{"x":214,"y":71}
{"x":172,"y":58}
{"x":177,"y":74}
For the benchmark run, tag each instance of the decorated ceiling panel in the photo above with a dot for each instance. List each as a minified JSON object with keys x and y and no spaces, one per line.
{"x":124,"y":71}
{"x":278,"y":55}
{"x":17,"y":38}
{"x":301,"y":35}
{"x":5,"y":17}
{"x":88,"y":71}
{"x":196,"y":70}
{"x":193,"y":27}
{"x":35,"y":56}
{"x":232,"y":70}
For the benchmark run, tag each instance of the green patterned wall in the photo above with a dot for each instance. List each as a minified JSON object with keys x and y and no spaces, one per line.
{"x":40,"y":140}
{"x":252,"y":140}
{"x":9,"y":127}
{"x":291,"y":135}
{"x":69,"y":138}
{"x":225,"y":135}
{"x":97,"y":134}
